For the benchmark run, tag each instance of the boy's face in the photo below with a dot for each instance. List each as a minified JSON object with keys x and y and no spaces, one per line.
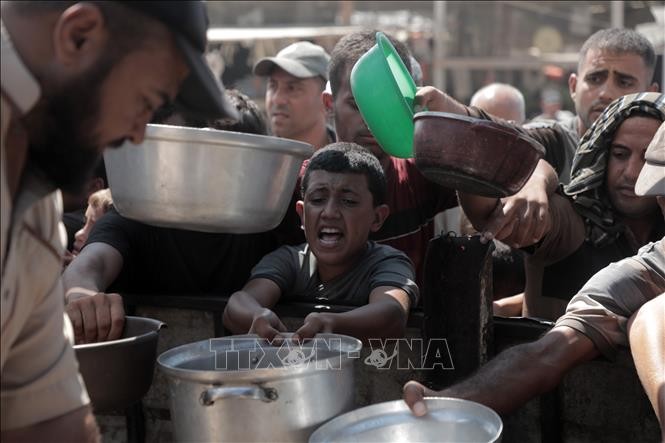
{"x":338,"y":213}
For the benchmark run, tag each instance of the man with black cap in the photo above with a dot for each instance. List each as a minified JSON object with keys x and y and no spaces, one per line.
{"x":296,"y":78}
{"x":76,"y":78}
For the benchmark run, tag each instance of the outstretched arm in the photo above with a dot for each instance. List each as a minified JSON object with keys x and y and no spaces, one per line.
{"x":95,"y":315}
{"x":519,"y":220}
{"x":249,"y":310}
{"x":384,"y":317}
{"x":517,"y":374}
{"x":646,"y":332}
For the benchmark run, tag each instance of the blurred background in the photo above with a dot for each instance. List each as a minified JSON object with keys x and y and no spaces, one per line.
{"x":461,"y":45}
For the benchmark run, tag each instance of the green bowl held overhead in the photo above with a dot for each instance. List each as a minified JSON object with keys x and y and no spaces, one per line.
{"x":384,"y":92}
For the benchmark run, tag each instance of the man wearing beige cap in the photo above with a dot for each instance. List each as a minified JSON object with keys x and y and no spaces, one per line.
{"x":297,"y":76}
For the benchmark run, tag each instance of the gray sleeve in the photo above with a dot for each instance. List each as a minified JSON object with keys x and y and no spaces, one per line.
{"x":396,"y":270}
{"x":280,"y":266}
{"x":602,"y":308}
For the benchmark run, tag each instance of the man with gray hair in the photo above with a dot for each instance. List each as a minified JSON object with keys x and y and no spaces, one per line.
{"x":297,"y":76}
{"x":501,"y":100}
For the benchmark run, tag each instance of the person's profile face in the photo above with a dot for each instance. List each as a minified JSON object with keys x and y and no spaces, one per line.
{"x":338,"y":214}
{"x":119,"y":100}
{"x":625,"y":161}
{"x":603,"y":77}
{"x":349,"y":123}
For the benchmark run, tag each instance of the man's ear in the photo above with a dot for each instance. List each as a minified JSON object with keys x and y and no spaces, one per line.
{"x":300,"y":209}
{"x":327,"y":101}
{"x":380,"y":214}
{"x":572,"y":85}
{"x":654,"y":87}
{"x":79,"y":36}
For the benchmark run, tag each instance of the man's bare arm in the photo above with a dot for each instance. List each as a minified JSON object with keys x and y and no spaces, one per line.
{"x":516,"y":375}
{"x":646,"y":332}
{"x":95,"y":315}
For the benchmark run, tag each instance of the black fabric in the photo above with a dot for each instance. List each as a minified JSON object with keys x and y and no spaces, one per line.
{"x":174,"y":261}
{"x":73,"y":222}
{"x":564,"y":278}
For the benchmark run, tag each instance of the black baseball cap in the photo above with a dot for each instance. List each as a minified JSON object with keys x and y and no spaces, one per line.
{"x":202,"y":92}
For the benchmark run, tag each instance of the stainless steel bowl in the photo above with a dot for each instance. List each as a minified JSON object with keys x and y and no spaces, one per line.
{"x":118,"y":373}
{"x":447,"y":420}
{"x":205,"y":179}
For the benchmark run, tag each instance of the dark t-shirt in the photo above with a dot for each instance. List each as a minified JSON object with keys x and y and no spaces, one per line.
{"x":294,"y":270}
{"x":165,"y":260}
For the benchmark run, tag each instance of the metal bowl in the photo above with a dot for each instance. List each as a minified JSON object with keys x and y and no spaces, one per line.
{"x":205,"y":179}
{"x":118,"y":373}
{"x":473,"y":155}
{"x":447,"y":420}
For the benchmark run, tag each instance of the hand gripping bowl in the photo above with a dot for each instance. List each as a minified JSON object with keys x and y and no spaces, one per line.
{"x":205,"y":179}
{"x":447,"y":420}
{"x":472,"y":155}
{"x":384,"y":92}
{"x":118,"y":373}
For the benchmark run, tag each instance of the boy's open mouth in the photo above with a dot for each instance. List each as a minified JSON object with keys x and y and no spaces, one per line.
{"x":330,"y":235}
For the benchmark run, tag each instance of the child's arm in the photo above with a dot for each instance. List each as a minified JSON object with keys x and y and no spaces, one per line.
{"x":248,"y":310}
{"x":384,"y":317}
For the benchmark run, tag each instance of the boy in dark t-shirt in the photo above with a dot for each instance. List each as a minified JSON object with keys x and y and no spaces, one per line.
{"x":344,"y":191}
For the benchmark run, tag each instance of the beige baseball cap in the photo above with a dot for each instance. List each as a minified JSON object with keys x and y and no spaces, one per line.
{"x":652,"y":177}
{"x":300,"y":59}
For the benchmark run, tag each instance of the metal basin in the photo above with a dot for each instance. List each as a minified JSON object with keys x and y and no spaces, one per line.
{"x":448,"y":420}
{"x":473,"y":155}
{"x":118,"y":373}
{"x":205,"y":179}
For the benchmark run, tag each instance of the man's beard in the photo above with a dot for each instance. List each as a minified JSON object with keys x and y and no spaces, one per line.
{"x":65,"y":148}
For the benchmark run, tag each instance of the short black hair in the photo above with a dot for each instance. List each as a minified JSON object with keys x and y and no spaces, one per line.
{"x":351,"y":47}
{"x":345,"y":157}
{"x":620,"y":41}
{"x":251,"y":119}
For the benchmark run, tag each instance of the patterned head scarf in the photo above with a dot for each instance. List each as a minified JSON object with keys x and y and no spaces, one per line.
{"x":587,"y":184}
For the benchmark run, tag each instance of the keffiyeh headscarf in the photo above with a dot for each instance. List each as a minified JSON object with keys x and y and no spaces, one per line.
{"x":587,"y":184}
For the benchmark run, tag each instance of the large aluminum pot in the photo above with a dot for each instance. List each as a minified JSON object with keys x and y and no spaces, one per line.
{"x":240,"y":388}
{"x":118,"y":373}
{"x":448,"y":420}
{"x":205,"y":179}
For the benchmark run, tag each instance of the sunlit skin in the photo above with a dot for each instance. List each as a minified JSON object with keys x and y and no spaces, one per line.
{"x":142,"y":82}
{"x":349,"y":123}
{"x":338,"y":213}
{"x":625,"y":161}
{"x":92,"y":214}
{"x":294,"y":105}
{"x":601,"y":78}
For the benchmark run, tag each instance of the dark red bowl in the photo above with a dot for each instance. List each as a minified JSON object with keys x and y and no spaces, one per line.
{"x":472,"y":155}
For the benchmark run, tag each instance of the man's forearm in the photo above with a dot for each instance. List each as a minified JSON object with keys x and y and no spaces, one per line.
{"x":78,"y":426}
{"x":520,"y":373}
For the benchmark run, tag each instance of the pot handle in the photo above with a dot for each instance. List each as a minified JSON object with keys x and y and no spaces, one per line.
{"x":210,"y":395}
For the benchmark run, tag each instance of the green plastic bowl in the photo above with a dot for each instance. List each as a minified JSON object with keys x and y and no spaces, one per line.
{"x":384,"y":92}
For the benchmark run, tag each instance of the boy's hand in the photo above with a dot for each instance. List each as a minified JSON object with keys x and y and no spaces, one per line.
{"x":267,"y":325}
{"x":314,"y":323}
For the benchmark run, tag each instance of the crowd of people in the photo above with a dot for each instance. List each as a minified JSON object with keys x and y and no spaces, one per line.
{"x":585,"y":234}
